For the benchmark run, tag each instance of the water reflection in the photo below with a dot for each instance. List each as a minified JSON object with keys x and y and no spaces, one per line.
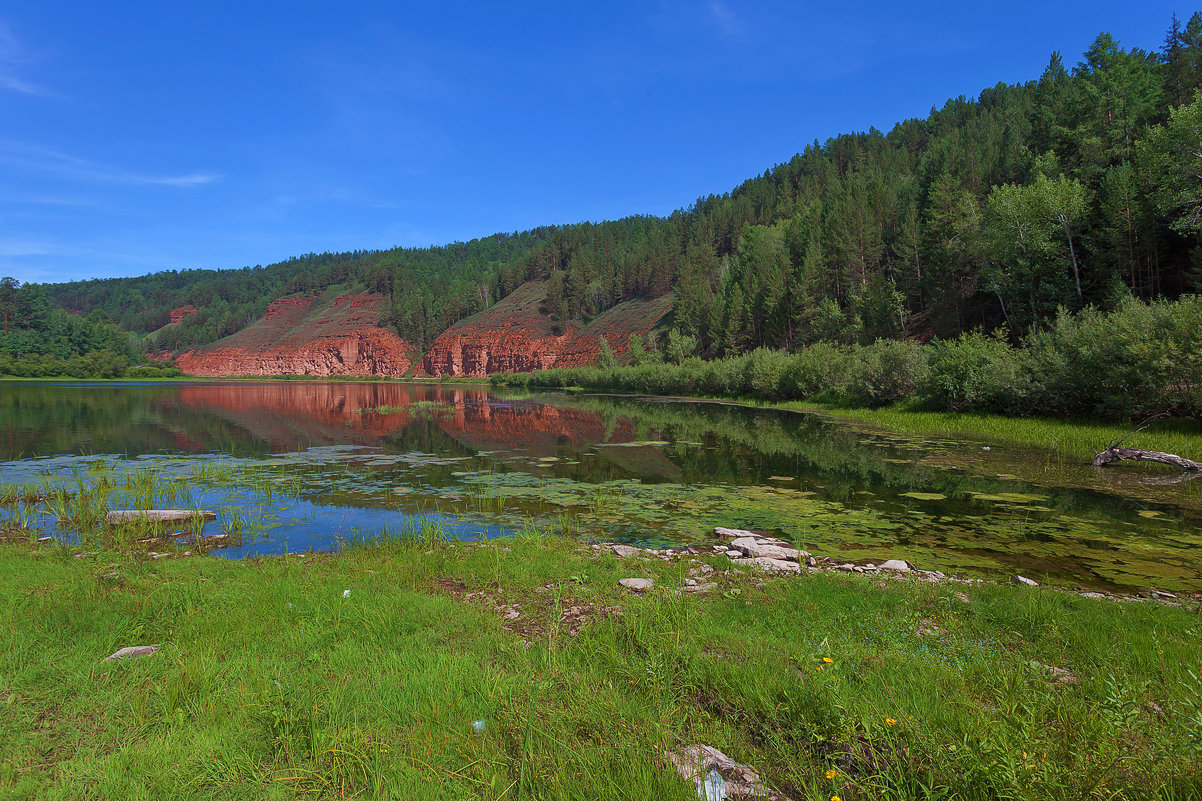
{"x":347,"y":458}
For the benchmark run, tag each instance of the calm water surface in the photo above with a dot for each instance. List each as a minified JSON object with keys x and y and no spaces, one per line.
{"x":308,"y":466}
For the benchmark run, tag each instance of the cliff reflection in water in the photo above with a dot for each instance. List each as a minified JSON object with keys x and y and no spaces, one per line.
{"x":294,"y":416}
{"x":324,"y":460}
{"x":273,"y":417}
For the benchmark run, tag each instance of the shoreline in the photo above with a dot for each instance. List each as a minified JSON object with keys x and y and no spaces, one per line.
{"x":762,"y":555}
{"x":1068,"y":436}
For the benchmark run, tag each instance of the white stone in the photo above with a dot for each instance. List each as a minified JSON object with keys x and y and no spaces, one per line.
{"x":899,"y":565}
{"x":625,"y":550}
{"x":1024,"y":581}
{"x":637,"y":584}
{"x":777,"y":565}
{"x":755,"y":547}
{"x":733,"y":533}
{"x":132,"y":652}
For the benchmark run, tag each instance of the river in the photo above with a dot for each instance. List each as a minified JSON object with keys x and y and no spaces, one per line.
{"x":295,"y":466}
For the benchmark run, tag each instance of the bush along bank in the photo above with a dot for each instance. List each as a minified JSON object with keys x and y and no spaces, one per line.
{"x":1138,"y":360}
{"x":93,"y":364}
{"x":539,"y":667}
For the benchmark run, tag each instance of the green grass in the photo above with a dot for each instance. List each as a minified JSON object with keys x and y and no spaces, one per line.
{"x":271,"y":684}
{"x":1067,"y":438}
{"x":1074,"y":439}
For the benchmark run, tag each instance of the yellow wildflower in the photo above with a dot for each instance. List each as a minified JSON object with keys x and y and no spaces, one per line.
{"x":828,"y":660}
{"x":818,"y":668}
{"x":836,"y":798}
{"x":891,"y":721}
{"x":830,"y":774}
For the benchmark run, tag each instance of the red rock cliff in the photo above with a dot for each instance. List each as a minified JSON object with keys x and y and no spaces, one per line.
{"x":308,"y":335}
{"x":177,"y":315}
{"x":516,"y":336}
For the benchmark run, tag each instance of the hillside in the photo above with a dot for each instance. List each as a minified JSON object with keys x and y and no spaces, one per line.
{"x":324,"y":334}
{"x":518,"y":335}
{"x":1078,"y":188}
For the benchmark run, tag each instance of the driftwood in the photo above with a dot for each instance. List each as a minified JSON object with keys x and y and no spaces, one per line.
{"x":118,"y":516}
{"x":1114,"y":454}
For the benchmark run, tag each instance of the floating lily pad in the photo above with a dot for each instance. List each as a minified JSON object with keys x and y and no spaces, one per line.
{"x":925,"y":496}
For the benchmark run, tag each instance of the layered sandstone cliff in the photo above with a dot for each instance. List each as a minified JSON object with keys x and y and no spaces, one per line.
{"x":317,"y":335}
{"x":516,"y":335}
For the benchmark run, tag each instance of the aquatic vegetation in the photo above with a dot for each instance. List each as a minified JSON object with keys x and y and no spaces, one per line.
{"x":644,"y":472}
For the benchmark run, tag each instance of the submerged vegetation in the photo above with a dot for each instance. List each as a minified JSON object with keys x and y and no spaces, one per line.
{"x":605,"y":468}
{"x":413,"y":667}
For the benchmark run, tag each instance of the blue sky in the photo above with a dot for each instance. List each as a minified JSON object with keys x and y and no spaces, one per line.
{"x":136,"y":137}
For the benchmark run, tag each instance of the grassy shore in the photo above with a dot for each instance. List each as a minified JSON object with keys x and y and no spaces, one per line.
{"x":1073,"y":438}
{"x":361,"y":674}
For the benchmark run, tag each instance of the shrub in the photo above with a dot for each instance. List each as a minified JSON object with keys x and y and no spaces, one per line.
{"x":816,"y":372}
{"x":1138,"y":360}
{"x":153,"y":371}
{"x":762,"y":373}
{"x":976,"y":373}
{"x":884,"y":372}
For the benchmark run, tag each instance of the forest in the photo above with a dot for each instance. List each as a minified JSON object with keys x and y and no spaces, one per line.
{"x":1078,"y":189}
{"x":39,"y":340}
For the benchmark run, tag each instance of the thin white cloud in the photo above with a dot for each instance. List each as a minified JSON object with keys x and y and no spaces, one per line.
{"x":189,"y":180}
{"x":43,"y":159}
{"x":729,"y":24}
{"x":13,"y":57}
{"x":18,"y":85}
{"x":10,"y":248}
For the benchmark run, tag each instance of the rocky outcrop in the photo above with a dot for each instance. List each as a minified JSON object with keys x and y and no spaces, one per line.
{"x":284,"y":307}
{"x":177,"y":315}
{"x":308,"y":335}
{"x":328,"y":334}
{"x":516,"y":335}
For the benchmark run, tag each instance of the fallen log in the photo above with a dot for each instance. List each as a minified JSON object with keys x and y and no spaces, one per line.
{"x":118,"y":516}
{"x":1112,"y":455}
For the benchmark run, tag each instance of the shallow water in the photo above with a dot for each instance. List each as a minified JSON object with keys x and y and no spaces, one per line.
{"x":299,"y":466}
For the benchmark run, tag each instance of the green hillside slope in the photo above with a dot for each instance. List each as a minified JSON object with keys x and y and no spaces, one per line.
{"x":1079,"y":187}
